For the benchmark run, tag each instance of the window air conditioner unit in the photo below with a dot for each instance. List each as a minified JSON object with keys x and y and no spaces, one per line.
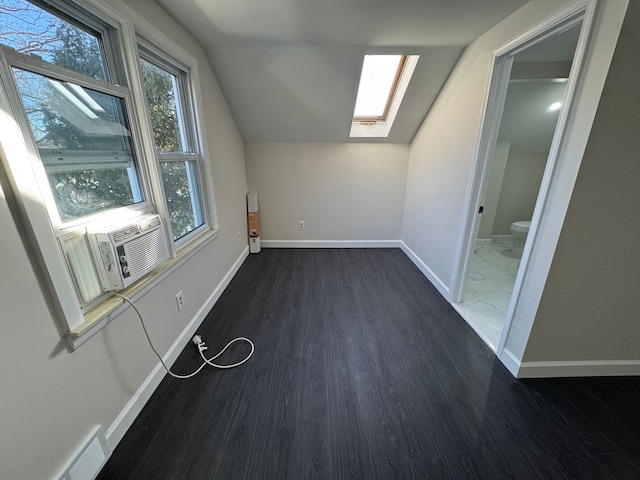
{"x":126,"y":252}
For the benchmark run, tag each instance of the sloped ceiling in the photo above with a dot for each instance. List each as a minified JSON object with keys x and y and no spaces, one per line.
{"x":289,"y":69}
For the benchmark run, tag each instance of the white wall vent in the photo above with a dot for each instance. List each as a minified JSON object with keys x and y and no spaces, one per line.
{"x":124,"y":253}
{"x":89,"y":459}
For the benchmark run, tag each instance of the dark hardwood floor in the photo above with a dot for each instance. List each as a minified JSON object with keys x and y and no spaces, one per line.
{"x":363,"y":371}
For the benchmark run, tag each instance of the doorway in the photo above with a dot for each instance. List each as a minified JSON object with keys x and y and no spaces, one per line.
{"x":528,"y":95}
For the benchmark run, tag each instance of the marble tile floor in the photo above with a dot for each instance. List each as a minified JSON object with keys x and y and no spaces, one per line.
{"x":492,"y":274}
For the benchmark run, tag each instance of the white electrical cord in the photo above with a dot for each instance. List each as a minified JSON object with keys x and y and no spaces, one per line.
{"x":197,"y":340}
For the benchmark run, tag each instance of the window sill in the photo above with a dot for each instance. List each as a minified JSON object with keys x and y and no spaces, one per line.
{"x":102,"y":314}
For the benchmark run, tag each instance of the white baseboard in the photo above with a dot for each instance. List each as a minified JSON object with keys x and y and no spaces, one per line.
{"x":126,"y":417}
{"x":586,"y":368}
{"x":604,"y":368}
{"x":426,"y":271}
{"x":483,"y":242}
{"x":510,"y":361}
{"x":330,"y":244}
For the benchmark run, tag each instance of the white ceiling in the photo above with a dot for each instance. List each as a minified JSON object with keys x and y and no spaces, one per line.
{"x":289,"y":69}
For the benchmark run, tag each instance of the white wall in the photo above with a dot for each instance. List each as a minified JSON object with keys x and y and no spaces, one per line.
{"x":440,"y":164}
{"x":519,"y":189}
{"x":350,"y":191}
{"x":51,"y":398}
{"x":589,"y":310}
{"x":443,"y":150}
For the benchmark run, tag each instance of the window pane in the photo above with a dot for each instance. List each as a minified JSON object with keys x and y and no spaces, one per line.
{"x":181,"y":190}
{"x":376,"y":85}
{"x":85,"y":192}
{"x":31,"y":30}
{"x":161,"y":89}
{"x":84,"y":143}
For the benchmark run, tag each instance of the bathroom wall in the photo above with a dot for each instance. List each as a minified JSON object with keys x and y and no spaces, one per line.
{"x":519,"y":190}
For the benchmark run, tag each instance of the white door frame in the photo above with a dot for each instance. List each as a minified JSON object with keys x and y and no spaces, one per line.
{"x":535,"y":252}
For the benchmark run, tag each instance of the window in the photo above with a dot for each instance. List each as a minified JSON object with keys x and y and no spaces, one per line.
{"x":84,"y":143}
{"x":76,"y":118}
{"x":383,"y":81}
{"x":72,"y":145}
{"x":169,"y":107}
{"x":32,"y":30}
{"x":78,"y":121}
{"x":378,"y":80}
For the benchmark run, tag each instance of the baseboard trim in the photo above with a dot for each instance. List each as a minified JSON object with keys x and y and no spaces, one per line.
{"x":604,"y":368}
{"x":483,"y":242}
{"x":426,"y":271}
{"x":330,"y":243}
{"x":510,"y":361}
{"x":126,"y":417}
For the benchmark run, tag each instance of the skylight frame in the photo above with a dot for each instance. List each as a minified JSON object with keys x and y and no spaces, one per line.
{"x":390,"y":95}
{"x":373,"y":128}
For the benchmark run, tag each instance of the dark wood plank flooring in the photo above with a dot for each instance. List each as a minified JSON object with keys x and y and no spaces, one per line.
{"x":363,"y":371}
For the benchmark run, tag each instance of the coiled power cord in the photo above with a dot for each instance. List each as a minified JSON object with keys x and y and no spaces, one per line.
{"x":198,"y":342}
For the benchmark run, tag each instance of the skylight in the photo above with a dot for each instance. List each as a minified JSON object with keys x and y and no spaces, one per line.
{"x":383,"y":82}
{"x":379,"y":77}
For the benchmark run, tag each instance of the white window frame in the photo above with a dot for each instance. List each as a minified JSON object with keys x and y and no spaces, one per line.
{"x":35,"y":65}
{"x":185,"y":104}
{"x":165,"y":46}
{"x":19,"y":178}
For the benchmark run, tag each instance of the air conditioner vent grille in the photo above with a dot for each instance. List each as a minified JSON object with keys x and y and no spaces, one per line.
{"x":124,"y":233}
{"x":146,"y":252}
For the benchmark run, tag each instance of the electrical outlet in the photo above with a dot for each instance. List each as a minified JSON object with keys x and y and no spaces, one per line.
{"x":300,"y":224}
{"x":180,"y":300}
{"x":239,"y":234}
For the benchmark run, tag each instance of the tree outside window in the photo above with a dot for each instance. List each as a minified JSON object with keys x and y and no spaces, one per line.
{"x":67,"y":118}
{"x":178,"y":161}
{"x":81,"y":133}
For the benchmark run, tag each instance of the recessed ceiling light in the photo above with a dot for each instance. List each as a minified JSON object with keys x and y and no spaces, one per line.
{"x":554,"y":106}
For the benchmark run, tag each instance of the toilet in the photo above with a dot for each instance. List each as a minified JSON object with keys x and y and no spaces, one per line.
{"x":519,"y":230}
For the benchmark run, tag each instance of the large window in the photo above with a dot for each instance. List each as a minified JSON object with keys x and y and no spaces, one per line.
{"x":78,"y":120}
{"x":84,"y":143}
{"x":170,"y":111}
{"x":72,"y":144}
